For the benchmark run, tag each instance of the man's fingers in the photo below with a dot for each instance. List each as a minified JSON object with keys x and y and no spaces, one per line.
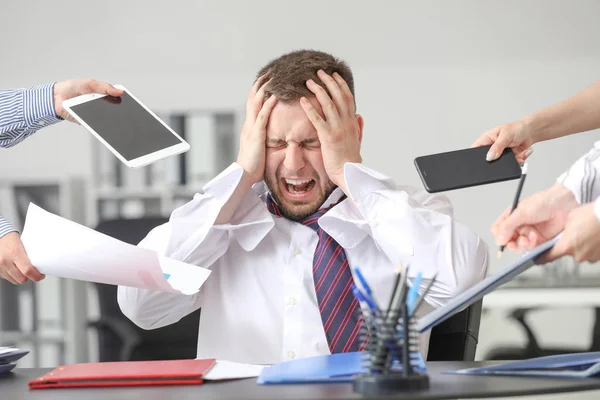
{"x":255,"y":103}
{"x":24,"y":265}
{"x":483,"y":140}
{"x":506,"y":229}
{"x":103,"y":88}
{"x":336,"y":92}
{"x":263,"y":116}
{"x":318,"y":122}
{"x":329,"y":109}
{"x":499,"y":220}
{"x":16,"y":275}
{"x":501,"y":143}
{"x":349,"y":97}
{"x":5,"y":275}
{"x":560,"y":249}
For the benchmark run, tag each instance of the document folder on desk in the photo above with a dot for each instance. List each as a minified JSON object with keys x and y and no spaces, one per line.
{"x":339,"y":367}
{"x":577,"y":365}
{"x":8,"y":357}
{"x":126,"y":373}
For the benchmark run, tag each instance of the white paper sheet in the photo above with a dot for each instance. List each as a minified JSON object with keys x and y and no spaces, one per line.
{"x":223,"y":370}
{"x":63,"y":248}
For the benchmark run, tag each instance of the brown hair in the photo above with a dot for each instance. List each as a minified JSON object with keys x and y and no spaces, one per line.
{"x":289,"y":73}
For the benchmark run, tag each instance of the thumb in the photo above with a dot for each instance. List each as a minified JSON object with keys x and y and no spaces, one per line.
{"x":507,"y":228}
{"x":560,"y":249}
{"x":113,"y":91}
{"x":501,"y":143}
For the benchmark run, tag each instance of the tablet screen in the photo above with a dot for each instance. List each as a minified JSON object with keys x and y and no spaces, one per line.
{"x":126,"y":126}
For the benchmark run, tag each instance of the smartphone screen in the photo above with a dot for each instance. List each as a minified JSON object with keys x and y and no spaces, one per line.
{"x":464,"y":168}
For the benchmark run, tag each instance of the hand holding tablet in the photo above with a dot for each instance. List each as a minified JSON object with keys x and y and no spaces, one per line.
{"x":129,"y":129}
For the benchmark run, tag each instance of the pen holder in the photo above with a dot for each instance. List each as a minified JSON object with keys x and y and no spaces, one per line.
{"x":392,"y":361}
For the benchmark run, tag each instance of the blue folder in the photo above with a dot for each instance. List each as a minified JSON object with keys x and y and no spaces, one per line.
{"x":8,"y":358}
{"x":339,"y":367}
{"x":6,"y":368}
{"x":12,"y":356}
{"x":480,"y":289}
{"x":577,"y":365}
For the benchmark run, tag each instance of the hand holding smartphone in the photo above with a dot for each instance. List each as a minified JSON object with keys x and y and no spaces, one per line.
{"x":465,"y":168}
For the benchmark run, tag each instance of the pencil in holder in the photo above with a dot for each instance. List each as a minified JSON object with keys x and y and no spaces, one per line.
{"x":392,"y":361}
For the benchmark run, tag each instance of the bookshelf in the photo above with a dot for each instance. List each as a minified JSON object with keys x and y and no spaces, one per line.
{"x":48,"y":317}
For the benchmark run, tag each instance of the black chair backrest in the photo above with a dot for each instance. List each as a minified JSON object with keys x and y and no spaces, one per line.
{"x":176,"y":341}
{"x":456,"y":338}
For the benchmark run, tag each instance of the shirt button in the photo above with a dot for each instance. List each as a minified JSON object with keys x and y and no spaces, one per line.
{"x":291,"y":354}
{"x":292,"y":301}
{"x":297,"y":251}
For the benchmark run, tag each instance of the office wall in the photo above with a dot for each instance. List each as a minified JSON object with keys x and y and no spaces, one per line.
{"x":430,"y":75}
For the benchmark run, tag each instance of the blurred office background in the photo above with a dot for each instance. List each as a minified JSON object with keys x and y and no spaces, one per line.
{"x":430,"y":76}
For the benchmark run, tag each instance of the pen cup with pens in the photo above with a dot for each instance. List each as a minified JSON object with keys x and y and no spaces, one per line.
{"x":392,"y":361}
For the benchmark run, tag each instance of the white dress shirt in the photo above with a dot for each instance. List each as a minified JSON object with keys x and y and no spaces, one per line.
{"x":259,"y":304}
{"x":583,"y":178}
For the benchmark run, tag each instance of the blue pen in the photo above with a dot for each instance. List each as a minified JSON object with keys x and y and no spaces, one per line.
{"x":367,"y":290}
{"x":362,"y":298}
{"x":363,"y":281}
{"x":413,"y":293}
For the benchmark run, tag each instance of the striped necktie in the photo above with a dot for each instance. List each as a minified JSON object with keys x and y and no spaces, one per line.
{"x":340,"y":311}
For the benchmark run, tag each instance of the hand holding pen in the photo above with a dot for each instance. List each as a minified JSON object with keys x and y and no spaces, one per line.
{"x":516,"y":199}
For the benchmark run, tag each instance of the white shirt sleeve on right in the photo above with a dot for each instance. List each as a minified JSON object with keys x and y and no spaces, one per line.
{"x":597,"y":207}
{"x":583,"y":177}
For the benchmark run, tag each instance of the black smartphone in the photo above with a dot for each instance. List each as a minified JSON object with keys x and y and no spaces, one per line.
{"x":465,"y":168}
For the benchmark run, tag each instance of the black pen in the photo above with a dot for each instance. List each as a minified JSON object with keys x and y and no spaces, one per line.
{"x":516,"y":200}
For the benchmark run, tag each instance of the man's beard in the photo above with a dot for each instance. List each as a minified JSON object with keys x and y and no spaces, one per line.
{"x":300,"y":210}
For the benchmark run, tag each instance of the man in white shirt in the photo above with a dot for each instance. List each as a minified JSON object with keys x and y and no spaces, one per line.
{"x":572,"y":205}
{"x":283,"y":228}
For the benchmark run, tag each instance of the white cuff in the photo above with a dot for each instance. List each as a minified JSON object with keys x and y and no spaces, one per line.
{"x":597,"y":208}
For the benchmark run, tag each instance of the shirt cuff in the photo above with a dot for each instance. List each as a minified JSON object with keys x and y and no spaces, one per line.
{"x":5,"y":227}
{"x":582,"y":177}
{"x":597,"y":208}
{"x":38,"y":106}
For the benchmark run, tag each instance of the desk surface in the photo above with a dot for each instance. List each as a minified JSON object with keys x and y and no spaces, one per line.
{"x":14,"y":386}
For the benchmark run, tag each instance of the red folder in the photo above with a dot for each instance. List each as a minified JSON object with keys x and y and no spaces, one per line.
{"x":125,"y":373}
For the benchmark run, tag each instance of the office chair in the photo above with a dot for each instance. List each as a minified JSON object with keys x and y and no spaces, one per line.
{"x":532,"y":347}
{"x":120,"y":339}
{"x":456,"y":338}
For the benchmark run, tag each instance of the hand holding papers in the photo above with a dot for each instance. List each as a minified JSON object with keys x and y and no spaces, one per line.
{"x":59,"y":247}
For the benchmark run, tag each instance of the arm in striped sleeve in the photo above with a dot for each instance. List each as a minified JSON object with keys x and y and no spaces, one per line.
{"x":24,"y":111}
{"x":583,"y":177}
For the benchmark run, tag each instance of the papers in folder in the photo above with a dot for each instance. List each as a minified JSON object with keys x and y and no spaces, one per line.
{"x":63,"y":248}
{"x":576,"y":365}
{"x":477,"y":291}
{"x":8,"y":357}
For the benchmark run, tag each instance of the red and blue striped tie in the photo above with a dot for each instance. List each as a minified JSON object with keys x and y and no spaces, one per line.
{"x":340,"y":311}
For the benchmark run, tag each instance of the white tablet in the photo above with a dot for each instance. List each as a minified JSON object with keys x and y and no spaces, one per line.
{"x":126,"y":126}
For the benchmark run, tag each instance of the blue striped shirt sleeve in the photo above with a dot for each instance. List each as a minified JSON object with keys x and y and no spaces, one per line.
{"x":5,"y":227}
{"x":24,"y":111}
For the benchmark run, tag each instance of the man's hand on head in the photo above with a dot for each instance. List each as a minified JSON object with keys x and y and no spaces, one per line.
{"x":251,"y":156}
{"x":15,"y":266}
{"x":76,"y":87}
{"x":338,"y":126}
